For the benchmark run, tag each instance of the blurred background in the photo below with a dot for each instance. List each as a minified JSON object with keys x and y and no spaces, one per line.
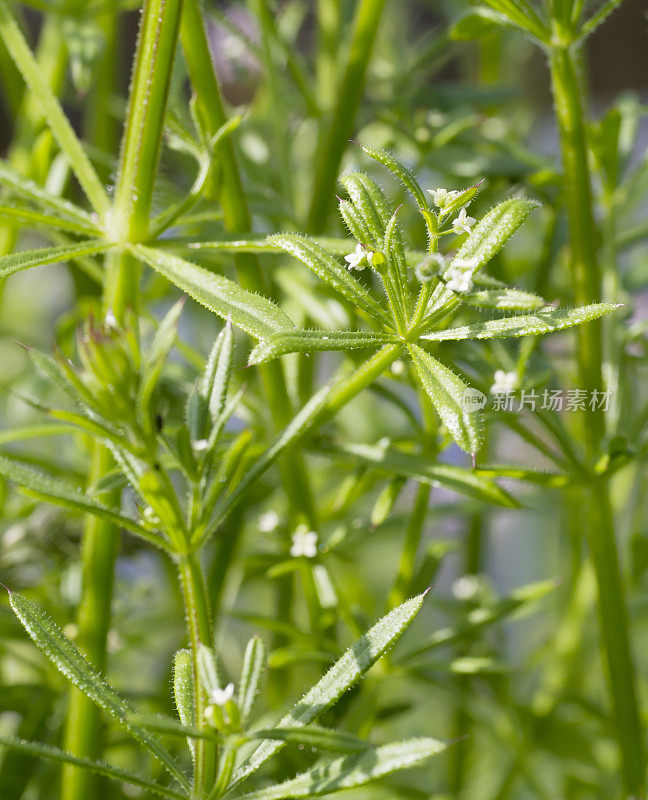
{"x":456,"y":111}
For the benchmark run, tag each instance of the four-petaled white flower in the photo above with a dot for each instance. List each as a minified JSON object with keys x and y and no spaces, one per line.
{"x":440,"y":196}
{"x":358,"y":259}
{"x":505,"y":382}
{"x":269,"y":522}
{"x":304,"y":543}
{"x":459,"y":278}
{"x":221,"y":696}
{"x":463,"y":222}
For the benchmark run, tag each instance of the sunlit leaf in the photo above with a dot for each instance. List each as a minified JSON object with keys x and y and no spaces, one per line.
{"x":545,"y":321}
{"x":253,"y":313}
{"x":342,"y":675}
{"x":468,"y":482}
{"x":307,"y":341}
{"x":98,"y":767}
{"x":44,"y":487}
{"x":315,"y":736}
{"x":254,"y":662}
{"x":65,"y":656}
{"x":329,"y":270}
{"x":447,"y":391}
{"x":17,"y":262}
{"x":351,"y":771}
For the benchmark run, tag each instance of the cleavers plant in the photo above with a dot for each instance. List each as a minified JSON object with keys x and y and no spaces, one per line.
{"x":179,"y":448}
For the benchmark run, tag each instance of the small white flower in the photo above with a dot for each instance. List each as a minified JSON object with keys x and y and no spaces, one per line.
{"x":459,"y":277}
{"x":355,"y":260}
{"x":429,"y":267}
{"x":398,"y":368}
{"x":465,"y":587}
{"x":110,"y":320}
{"x":304,"y":543}
{"x":505,"y":382}
{"x":463,"y":222}
{"x":269,"y":522}
{"x":221,"y":696}
{"x":440,"y":196}
{"x":201,"y":444}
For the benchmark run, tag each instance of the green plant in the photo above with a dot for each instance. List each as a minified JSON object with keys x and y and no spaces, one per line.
{"x":297,"y":468}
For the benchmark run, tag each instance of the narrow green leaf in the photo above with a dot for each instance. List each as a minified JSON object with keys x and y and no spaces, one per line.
{"x":254,"y":663}
{"x":550,"y":480}
{"x":11,"y":214}
{"x":311,"y":341}
{"x":300,"y":423}
{"x":17,"y":262}
{"x":342,"y":675}
{"x":328,"y":269}
{"x":51,"y":110}
{"x":366,"y":197}
{"x":253,"y":313}
{"x":522,"y":15}
{"x":218,"y":371}
{"x":447,"y":391}
{"x":65,"y":656}
{"x":545,"y":321}
{"x":480,"y":618}
{"x":352,"y":771}
{"x":600,"y":16}
{"x":210,"y":680}
{"x":183,"y":691}
{"x":355,"y":223}
{"x":43,"y":487}
{"x":469,"y":482}
{"x":504,"y":300}
{"x":494,"y":230}
{"x":23,"y":187}
{"x":163,"y":341}
{"x":160,"y":723}
{"x":315,"y":736}
{"x":98,"y":767}
{"x":337,"y":246}
{"x":401,"y":172}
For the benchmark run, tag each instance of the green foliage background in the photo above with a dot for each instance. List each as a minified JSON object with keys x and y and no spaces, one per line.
{"x":330,"y":403}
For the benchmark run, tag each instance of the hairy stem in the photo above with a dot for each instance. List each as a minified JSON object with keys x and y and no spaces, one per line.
{"x":612,"y":609}
{"x":83,"y":723}
{"x":340,"y":129}
{"x":130,"y":213}
{"x":237,"y":219}
{"x":199,"y":627}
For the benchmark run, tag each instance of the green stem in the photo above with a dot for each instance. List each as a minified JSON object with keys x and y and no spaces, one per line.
{"x":200,"y":632}
{"x":278,"y":110}
{"x":407,"y":563}
{"x":83,"y":724}
{"x":237,"y":219}
{"x":329,"y":23}
{"x":147,"y":103}
{"x":405,"y":574}
{"x":586,"y":276}
{"x":367,"y":374}
{"x":334,"y":141}
{"x":130,"y":212}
